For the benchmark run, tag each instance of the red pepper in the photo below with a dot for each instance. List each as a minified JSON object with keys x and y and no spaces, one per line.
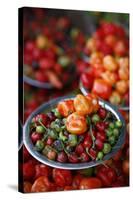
{"x":28,"y":171}
{"x":87,"y":143}
{"x":107,"y":175}
{"x":98,"y":69}
{"x":26,"y":155}
{"x":42,"y":184}
{"x":68,"y":187}
{"x":90,"y":183}
{"x":42,"y":170}
{"x":41,"y":117}
{"x":93,"y":153}
{"x":62,"y":177}
{"x":101,"y":136}
{"x":81,"y":66}
{"x":120,"y":181}
{"x":76,"y":181}
{"x":87,"y":79}
{"x":102,"y":89}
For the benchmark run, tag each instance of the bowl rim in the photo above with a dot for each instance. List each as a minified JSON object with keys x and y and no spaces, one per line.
{"x":48,"y":85}
{"x":30,"y":147}
{"x":35,"y":83}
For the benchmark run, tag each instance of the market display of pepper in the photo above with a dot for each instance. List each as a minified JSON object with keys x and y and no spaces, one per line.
{"x":51,"y":48}
{"x":77,"y":130}
{"x":107,"y":73}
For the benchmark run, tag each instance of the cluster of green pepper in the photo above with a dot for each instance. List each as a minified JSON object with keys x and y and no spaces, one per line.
{"x":61,"y":139}
{"x":112,"y":133}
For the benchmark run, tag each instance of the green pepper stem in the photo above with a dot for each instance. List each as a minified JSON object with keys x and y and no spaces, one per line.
{"x":64,"y":148}
{"x":106,"y":117}
{"x":92,"y":136}
{"x":42,"y":125}
{"x":89,"y":154}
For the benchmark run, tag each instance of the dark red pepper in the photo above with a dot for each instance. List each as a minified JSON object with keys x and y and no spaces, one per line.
{"x":62,"y":177}
{"x":107,"y":175}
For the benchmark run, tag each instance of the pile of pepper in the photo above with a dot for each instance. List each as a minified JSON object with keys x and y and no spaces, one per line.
{"x":38,"y":177}
{"x":50,"y":49}
{"x":107,"y":71}
{"x":77,"y":130}
{"x":54,"y":45}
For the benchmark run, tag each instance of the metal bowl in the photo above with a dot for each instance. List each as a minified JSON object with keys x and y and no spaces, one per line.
{"x":85,"y":92}
{"x":47,"y":85}
{"x":79,"y":19}
{"x":50,"y":105}
{"x":36,"y":83}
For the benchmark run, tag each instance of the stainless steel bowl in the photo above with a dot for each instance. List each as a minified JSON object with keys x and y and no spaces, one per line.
{"x":48,"y":85}
{"x":50,"y":105}
{"x":36,"y":83}
{"x":79,"y":19}
{"x":85,"y":92}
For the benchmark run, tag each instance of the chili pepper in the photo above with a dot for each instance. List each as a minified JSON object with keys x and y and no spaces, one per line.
{"x":107,"y":175}
{"x":62,"y":177}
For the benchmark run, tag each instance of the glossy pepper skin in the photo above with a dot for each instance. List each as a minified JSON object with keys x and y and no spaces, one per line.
{"x":107,"y":175}
{"x":102,"y":88}
{"x":90,"y":183}
{"x":62,"y":177}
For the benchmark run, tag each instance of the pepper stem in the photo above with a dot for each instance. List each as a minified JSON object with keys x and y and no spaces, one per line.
{"x":89,"y":154}
{"x":42,"y":125}
{"x":92,"y":136}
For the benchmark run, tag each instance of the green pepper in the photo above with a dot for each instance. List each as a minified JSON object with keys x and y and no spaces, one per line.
{"x":74,"y":33}
{"x":62,"y":128}
{"x":58,"y":121}
{"x":100,"y":155}
{"x":46,"y":149}
{"x":118,"y":124}
{"x":32,"y":124}
{"x":64,"y":61}
{"x":64,"y":120}
{"x":52,"y":124}
{"x":112,"y":140}
{"x":40,"y":129}
{"x":111,"y":125}
{"x":62,"y":137}
{"x":55,"y":126}
{"x":56,"y":113}
{"x":88,"y":120}
{"x":72,"y":140}
{"x":116,"y":132}
{"x":95,"y":118}
{"x":106,"y":148}
{"x":52,"y":134}
{"x":109,"y":132}
{"x":39,"y":145}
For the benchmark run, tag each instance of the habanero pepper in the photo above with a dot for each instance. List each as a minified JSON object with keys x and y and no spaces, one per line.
{"x":107,"y":175}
